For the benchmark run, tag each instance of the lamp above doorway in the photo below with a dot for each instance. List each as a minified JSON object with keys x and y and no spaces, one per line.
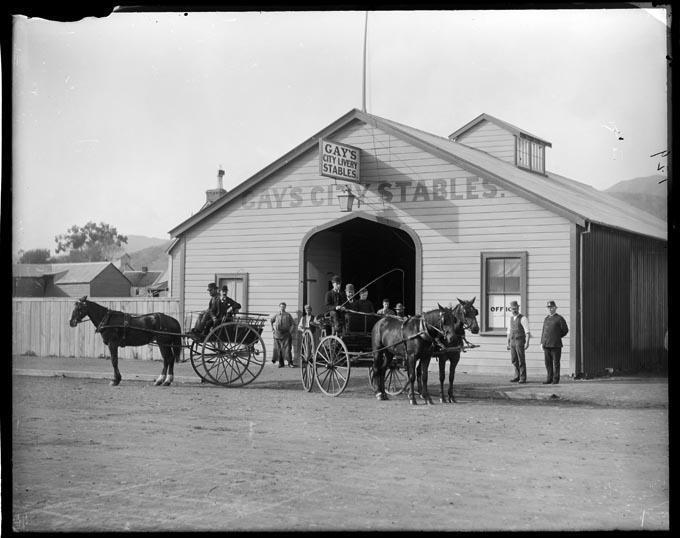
{"x":346,"y":199}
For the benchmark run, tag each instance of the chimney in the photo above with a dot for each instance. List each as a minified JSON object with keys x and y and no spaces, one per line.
{"x":212,"y":195}
{"x":144,"y":269}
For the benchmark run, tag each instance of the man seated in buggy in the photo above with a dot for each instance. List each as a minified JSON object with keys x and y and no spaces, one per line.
{"x":226,"y":307}
{"x":206,"y":319}
{"x":334,"y":305}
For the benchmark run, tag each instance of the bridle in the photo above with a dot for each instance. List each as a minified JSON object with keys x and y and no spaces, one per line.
{"x":464,"y":320}
{"x":86,"y":315}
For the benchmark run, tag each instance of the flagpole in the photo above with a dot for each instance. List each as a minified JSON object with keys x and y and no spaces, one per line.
{"x":363,"y":86}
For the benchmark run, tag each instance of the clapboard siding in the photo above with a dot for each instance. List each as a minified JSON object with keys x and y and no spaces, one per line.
{"x":262,"y":233}
{"x":492,"y":139}
{"x":41,"y":326}
{"x":176,"y":270}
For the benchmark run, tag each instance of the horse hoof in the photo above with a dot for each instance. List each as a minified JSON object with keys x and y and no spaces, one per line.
{"x":381,"y":397}
{"x":114,"y":383}
{"x":413,"y":401}
{"x":158,"y":382}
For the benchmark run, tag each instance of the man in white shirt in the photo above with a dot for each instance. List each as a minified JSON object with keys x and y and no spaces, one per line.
{"x":283,"y":326}
{"x":518,"y":342}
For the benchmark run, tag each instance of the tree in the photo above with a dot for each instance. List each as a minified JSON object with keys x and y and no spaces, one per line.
{"x":38,"y":255}
{"x":93,"y":242}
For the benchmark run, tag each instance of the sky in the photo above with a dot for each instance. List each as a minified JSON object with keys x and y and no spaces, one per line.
{"x":126,"y":119}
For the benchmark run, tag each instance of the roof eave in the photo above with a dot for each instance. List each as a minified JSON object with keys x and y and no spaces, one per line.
{"x":266,"y":171}
{"x":503,"y":124}
{"x":529,"y":195}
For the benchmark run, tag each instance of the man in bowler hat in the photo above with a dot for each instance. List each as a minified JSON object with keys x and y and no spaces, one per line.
{"x":518,"y":342}
{"x":334,"y":303}
{"x":554,"y":329}
{"x":206,"y":318}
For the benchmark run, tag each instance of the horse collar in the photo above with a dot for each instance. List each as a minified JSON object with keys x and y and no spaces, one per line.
{"x":103,"y":322}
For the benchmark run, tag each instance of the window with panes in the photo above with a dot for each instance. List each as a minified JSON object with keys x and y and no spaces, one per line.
{"x":530,"y":155}
{"x":503,"y":281}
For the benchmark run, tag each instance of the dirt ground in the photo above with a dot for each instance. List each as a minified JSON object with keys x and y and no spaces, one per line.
{"x":89,"y":457}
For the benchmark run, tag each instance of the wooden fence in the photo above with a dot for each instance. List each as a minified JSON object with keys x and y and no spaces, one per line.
{"x":40,"y":326}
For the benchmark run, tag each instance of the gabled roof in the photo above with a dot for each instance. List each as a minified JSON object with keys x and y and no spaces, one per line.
{"x":161,"y":283}
{"x":79,"y":273}
{"x":571,"y":199}
{"x":142,"y":279}
{"x":64,"y":273}
{"x":502,"y":124}
{"x":33,"y":270}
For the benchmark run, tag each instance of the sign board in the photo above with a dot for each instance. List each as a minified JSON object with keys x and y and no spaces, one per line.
{"x":339,"y":160}
{"x":499,"y":313}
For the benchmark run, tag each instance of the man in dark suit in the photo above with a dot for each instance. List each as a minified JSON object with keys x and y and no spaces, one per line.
{"x":334,"y":304}
{"x":206,"y":318}
{"x":226,"y":307}
{"x":554,"y":328}
{"x":364,"y":304}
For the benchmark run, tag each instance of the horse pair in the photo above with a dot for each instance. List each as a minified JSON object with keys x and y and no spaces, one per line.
{"x":119,"y":329}
{"x":440,"y":331}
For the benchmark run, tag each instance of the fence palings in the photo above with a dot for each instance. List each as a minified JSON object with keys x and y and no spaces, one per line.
{"x":40,"y":326}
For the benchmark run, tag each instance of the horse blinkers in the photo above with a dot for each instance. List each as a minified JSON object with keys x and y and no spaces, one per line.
{"x":471,"y":313}
{"x":79,"y":312}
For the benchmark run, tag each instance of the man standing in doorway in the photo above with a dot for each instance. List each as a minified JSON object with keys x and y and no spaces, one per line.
{"x":351,"y":297}
{"x":518,"y":342}
{"x":386,"y":310}
{"x":283,"y":326}
{"x":554,"y":329}
{"x":364,"y":304}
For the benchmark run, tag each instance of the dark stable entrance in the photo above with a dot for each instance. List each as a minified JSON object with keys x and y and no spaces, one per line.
{"x":368,"y":250}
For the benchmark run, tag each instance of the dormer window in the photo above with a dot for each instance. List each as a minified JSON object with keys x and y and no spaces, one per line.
{"x":504,"y":141}
{"x":530,"y":154}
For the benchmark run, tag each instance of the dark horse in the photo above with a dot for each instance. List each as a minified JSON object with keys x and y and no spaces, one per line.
{"x":463,"y":312}
{"x":416,"y":338}
{"x":119,"y":329}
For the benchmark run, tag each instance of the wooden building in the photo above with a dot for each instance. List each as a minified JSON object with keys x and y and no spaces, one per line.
{"x":142,"y":282}
{"x":94,"y":279}
{"x":475,"y":214}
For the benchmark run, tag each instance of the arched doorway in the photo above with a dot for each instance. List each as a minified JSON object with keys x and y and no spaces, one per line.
{"x":360,"y":247}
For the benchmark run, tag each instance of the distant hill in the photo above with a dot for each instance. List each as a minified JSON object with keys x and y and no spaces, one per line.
{"x":146,"y":252}
{"x":139,"y":242}
{"x":645,"y":193}
{"x":154,"y":258}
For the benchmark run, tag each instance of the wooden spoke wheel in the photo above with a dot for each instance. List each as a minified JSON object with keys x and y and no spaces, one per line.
{"x":331,"y":365}
{"x":195,"y":357}
{"x":395,"y":378}
{"x":233,"y":354}
{"x":307,"y":360}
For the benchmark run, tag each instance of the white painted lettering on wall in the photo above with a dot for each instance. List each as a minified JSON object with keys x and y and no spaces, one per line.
{"x":338,"y":160}
{"x":407,"y":191}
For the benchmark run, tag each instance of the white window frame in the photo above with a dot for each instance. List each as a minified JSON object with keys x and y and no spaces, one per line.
{"x":523,"y":256}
